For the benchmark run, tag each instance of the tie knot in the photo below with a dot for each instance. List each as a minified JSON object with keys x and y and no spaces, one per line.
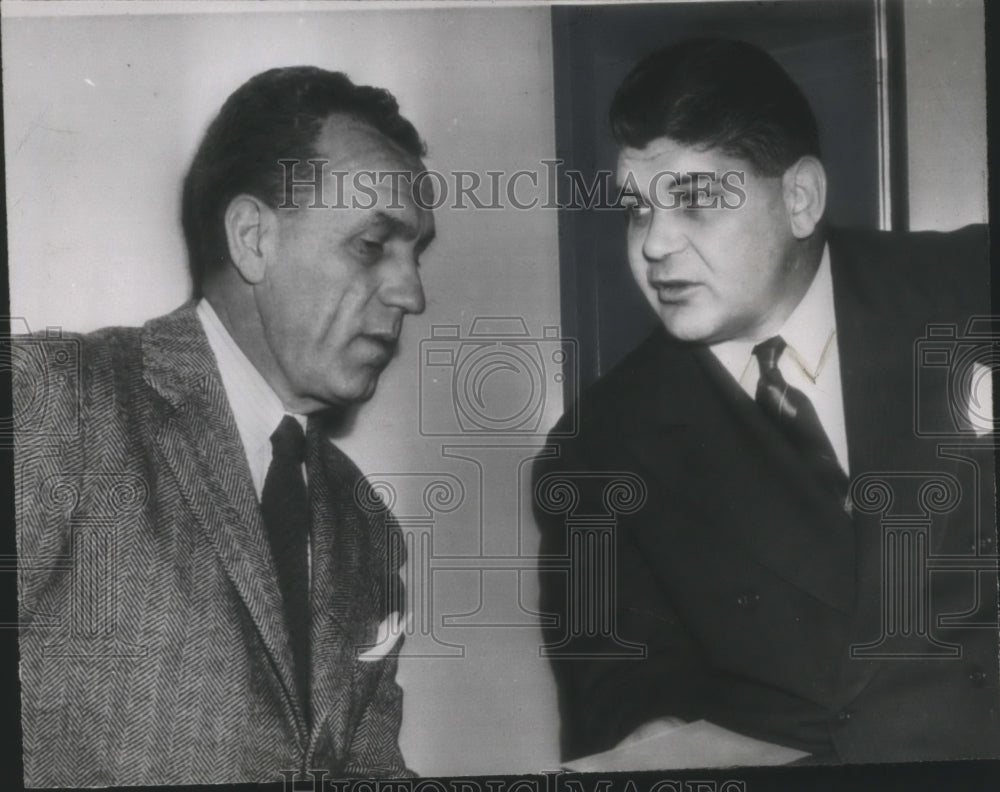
{"x":288,"y":441}
{"x":768,"y":353}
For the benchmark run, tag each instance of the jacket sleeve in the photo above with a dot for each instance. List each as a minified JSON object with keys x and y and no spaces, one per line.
{"x":611,"y":676}
{"x":48,"y":458}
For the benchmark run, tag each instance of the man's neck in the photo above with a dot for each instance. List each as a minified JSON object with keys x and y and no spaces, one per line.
{"x":238,"y":314}
{"x":800,"y":277}
{"x":806,"y":328}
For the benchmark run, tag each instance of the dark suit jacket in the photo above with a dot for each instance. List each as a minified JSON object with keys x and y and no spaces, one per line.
{"x":745,"y":583}
{"x":153,"y":649}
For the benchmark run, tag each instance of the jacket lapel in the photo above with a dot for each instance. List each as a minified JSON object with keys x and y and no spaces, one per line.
{"x":875,"y":337}
{"x":879,"y":322}
{"x":879,"y":319}
{"x":728,"y":468}
{"x":198,"y":438}
{"x":344,"y":591}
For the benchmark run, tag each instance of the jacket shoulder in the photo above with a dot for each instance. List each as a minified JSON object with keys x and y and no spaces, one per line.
{"x":59,"y":377}
{"x":611,"y":404}
{"x":970,"y":239}
{"x":938,"y":256}
{"x":937,"y":275}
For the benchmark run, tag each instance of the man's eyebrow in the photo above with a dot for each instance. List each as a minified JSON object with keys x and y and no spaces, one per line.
{"x":672,"y":180}
{"x":406,"y":229}
{"x":396,"y":224}
{"x":696,"y":178}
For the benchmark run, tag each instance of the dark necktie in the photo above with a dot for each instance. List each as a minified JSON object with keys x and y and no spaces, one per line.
{"x":287,"y":517}
{"x":792,"y":411}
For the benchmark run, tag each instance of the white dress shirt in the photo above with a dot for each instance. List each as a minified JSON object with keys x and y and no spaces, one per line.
{"x":810,"y":362}
{"x":256,"y":407}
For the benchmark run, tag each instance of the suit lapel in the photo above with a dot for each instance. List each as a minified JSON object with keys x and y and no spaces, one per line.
{"x":879,"y":323}
{"x":875,"y":337}
{"x":199,"y":440}
{"x":712,"y":450}
{"x":344,"y":590}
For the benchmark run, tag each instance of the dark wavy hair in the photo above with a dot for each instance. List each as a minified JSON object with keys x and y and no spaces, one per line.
{"x":273,"y":116}
{"x":719,"y":94}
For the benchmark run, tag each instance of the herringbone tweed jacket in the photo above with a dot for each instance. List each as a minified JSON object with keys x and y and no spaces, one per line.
{"x":153,"y":650}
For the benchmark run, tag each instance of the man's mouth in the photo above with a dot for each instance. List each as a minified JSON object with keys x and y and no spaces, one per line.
{"x":384,"y":343}
{"x":673,"y":291}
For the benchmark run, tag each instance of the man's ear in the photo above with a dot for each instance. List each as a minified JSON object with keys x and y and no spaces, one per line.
{"x":250,"y":227}
{"x":804,"y":188}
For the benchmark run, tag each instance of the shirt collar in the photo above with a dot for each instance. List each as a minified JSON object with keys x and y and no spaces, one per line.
{"x":810,"y":328}
{"x":808,"y":331}
{"x":256,"y":407}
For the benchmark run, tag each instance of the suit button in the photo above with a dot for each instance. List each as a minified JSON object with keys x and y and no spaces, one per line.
{"x":747,"y":600}
{"x":977,"y":677}
{"x":842,"y":717}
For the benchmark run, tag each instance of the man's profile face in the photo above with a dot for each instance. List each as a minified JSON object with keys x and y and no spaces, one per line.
{"x":343,"y":278}
{"x":711,"y":273}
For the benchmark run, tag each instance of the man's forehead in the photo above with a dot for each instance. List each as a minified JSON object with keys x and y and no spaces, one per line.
{"x":365,"y":169}
{"x":349,"y":144}
{"x":669,"y":160}
{"x":666,"y":154}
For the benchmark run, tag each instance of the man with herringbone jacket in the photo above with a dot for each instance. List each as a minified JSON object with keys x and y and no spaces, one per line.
{"x":209,"y":589}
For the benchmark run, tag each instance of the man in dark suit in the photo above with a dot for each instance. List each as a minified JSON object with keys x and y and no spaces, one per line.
{"x":209,"y":591}
{"x":812,"y":564}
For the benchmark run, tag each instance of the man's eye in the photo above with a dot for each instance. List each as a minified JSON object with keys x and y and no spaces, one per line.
{"x":689,"y":200}
{"x":372,"y":248}
{"x":695,"y":200}
{"x":635,"y":212}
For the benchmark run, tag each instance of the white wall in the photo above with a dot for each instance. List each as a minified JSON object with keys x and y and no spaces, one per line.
{"x":946,"y":113}
{"x":102,"y":115}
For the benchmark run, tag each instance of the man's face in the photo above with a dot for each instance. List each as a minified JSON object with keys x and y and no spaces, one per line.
{"x":339,"y":281}
{"x":714,"y":264}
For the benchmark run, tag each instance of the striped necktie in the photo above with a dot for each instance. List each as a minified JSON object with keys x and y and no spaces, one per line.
{"x":791,"y":410}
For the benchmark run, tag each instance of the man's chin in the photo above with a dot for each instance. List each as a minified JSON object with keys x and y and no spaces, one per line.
{"x":360,"y":392}
{"x":689,"y":329}
{"x":342,"y":395}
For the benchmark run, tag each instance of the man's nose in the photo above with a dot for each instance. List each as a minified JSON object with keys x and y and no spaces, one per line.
{"x":404,"y":289}
{"x":663,"y":236}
